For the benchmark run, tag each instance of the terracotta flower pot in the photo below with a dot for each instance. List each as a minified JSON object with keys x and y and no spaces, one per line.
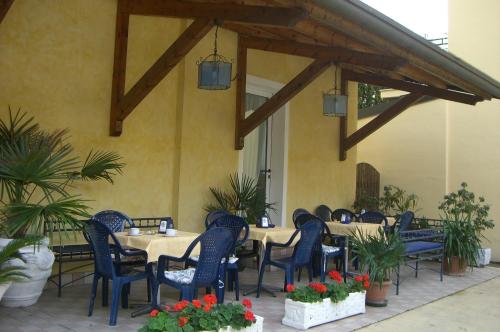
{"x":376,"y":295}
{"x":455,"y":267}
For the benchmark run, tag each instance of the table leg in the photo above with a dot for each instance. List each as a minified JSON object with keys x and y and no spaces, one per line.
{"x":263,"y":288}
{"x":150,"y":306}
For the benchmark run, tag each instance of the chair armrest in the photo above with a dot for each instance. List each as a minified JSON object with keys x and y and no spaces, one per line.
{"x":283,"y":245}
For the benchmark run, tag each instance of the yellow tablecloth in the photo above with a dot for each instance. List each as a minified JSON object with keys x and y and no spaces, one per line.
{"x":348,"y":229}
{"x":276,"y":234}
{"x":159,"y":244}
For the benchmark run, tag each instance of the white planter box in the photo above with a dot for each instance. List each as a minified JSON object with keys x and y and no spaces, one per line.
{"x":302,"y":315}
{"x":256,"y":327}
{"x":483,"y":257}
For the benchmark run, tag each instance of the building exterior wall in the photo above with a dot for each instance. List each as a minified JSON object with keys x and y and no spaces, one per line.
{"x":433,"y":147}
{"x":56,"y":61}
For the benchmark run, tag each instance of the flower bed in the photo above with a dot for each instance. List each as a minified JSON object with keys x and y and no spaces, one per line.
{"x":320,"y":303}
{"x":206,"y":315}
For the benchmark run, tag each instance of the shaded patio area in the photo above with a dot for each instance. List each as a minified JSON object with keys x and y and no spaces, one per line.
{"x":68,"y":313}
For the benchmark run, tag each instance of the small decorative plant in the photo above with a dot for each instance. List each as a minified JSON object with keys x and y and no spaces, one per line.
{"x":245,"y":199}
{"x":396,"y":201}
{"x":8,"y":272}
{"x":466,"y":218}
{"x":336,"y":291}
{"x":379,"y":254}
{"x":197,"y":315}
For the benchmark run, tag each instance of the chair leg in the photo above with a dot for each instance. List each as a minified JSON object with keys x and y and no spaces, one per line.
{"x":397,"y":281}
{"x":416,"y":268}
{"x":300,"y":272}
{"x":289,"y":276}
{"x":208,"y":290}
{"x":148,"y":286}
{"x":323,"y":267}
{"x":124,"y":296}
{"x":115,"y":298}
{"x":442,"y":268}
{"x":310,"y":271}
{"x":236,"y":285}
{"x":105,"y":287}
{"x":230,"y":280}
{"x":93,"y":293}
{"x":261,"y":276}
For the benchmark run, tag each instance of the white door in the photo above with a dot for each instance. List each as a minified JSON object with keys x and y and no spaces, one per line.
{"x":265,"y":153}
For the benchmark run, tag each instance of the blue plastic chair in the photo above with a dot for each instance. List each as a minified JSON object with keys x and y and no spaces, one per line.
{"x":213,"y":215}
{"x":404,"y":222}
{"x":116,"y":222}
{"x":337,"y":214}
{"x":215,"y":245}
{"x":374,"y":217}
{"x":323,"y":212}
{"x":237,"y":226}
{"x":297,"y":213}
{"x":310,"y":232}
{"x":324,"y":251}
{"x":98,"y":234}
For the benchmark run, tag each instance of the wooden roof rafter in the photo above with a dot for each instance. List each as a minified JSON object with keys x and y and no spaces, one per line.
{"x":4,"y":8}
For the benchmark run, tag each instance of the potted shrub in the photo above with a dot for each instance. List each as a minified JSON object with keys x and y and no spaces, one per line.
{"x":37,"y":168}
{"x":380,"y":255}
{"x":319,"y":303}
{"x":396,"y":201}
{"x":466,"y":218}
{"x":204,"y":315}
{"x":10,"y":272}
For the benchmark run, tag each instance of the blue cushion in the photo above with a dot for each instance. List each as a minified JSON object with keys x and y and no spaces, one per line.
{"x":416,"y":246}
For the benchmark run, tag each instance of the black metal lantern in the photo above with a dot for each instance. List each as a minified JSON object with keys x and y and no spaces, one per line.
{"x":334,"y":104}
{"x":214,"y":71}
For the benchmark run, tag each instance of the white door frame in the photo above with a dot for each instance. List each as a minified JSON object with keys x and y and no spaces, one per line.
{"x":266,"y":88}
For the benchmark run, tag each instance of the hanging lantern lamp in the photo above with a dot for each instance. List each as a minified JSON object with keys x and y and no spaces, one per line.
{"x":214,"y":71}
{"x":334,"y":104}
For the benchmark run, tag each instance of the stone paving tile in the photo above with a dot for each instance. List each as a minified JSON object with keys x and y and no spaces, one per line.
{"x":69,"y":313}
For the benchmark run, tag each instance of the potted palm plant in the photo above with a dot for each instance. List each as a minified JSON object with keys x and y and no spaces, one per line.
{"x":38,"y":170}
{"x":466,"y":218}
{"x":380,"y":255}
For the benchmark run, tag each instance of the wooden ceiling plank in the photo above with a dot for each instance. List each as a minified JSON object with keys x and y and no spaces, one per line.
{"x":297,"y":84}
{"x":228,"y":12}
{"x":248,"y":30}
{"x":4,"y":8}
{"x":413,"y":87}
{"x":167,"y":61}
{"x":335,"y":54}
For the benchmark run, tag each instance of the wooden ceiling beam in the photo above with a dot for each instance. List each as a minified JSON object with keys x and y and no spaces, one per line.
{"x":273,"y":104}
{"x":335,"y":54}
{"x":241,"y":83}
{"x":249,"y":30}
{"x":167,"y":61}
{"x":412,"y":87}
{"x":399,"y":107}
{"x":4,"y":8}
{"x":266,"y":15}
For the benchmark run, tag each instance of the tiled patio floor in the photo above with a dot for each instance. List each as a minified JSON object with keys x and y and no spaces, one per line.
{"x":69,"y":312}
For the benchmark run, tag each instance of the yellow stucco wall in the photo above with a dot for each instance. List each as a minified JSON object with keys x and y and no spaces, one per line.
{"x":56,"y":61}
{"x":431,"y":148}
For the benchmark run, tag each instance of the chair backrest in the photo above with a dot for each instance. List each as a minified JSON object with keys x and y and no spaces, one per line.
{"x":310,"y":234}
{"x":98,"y":236}
{"x":323,"y":212}
{"x":298,"y":212}
{"x":337,"y":214}
{"x":405,"y":221}
{"x":213,"y":215}
{"x":301,"y":219}
{"x":236,"y":225}
{"x":114,"y":220}
{"x":373,"y":217}
{"x":215,"y":244}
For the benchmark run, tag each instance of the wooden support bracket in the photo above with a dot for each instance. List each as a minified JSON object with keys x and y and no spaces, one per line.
{"x":4,"y":8}
{"x":343,"y":119}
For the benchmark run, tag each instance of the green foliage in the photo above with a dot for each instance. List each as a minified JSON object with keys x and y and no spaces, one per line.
{"x":396,"y":201}
{"x":37,"y":168}
{"x":365,"y":202}
{"x":11,"y":251}
{"x":466,"y":218}
{"x":244,"y":198}
{"x":379,"y":254}
{"x":368,"y":95}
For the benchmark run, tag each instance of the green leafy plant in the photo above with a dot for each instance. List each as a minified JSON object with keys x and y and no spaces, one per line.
{"x":336,"y":291}
{"x":244,"y":198}
{"x":466,"y":218}
{"x":368,"y":95}
{"x":379,"y":254}
{"x":10,"y":273}
{"x":366,"y":202}
{"x":38,"y":170}
{"x":396,"y":201}
{"x":195,"y":316}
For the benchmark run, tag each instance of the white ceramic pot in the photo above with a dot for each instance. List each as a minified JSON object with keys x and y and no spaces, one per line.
{"x":38,"y":267}
{"x":3,"y":289}
{"x":256,"y":327}
{"x":301,"y":315}
{"x":483,"y":257}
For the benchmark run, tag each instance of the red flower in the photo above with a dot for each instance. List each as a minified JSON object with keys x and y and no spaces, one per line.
{"x":154,"y":313}
{"x":207,"y":307}
{"x":197,"y":304}
{"x":358,"y":278}
{"x":167,"y":307}
{"x":181,"y":305}
{"x":335,"y":275}
{"x":249,"y":316}
{"x":210,"y":299}
{"x":366,"y":277}
{"x":366,"y":284}
{"x":247,"y":303}
{"x":290,"y":288}
{"x":183,"y":321}
{"x":318,"y":287}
